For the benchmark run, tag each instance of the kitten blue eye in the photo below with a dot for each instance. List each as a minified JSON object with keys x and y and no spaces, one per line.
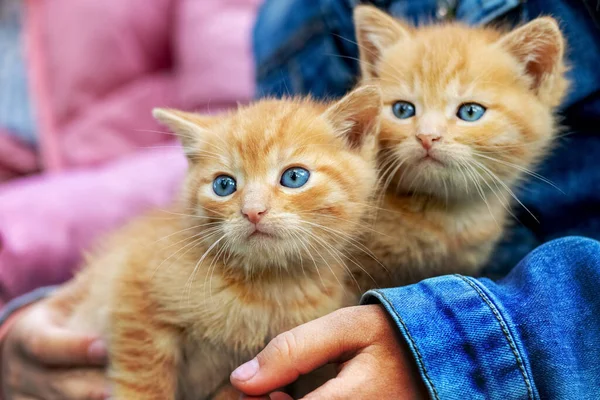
{"x":224,"y":185}
{"x":470,"y":112}
{"x":403,"y":109}
{"x":294,"y":177}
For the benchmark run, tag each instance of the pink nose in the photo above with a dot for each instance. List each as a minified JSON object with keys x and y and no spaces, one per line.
{"x":427,"y":139}
{"x":254,"y":214}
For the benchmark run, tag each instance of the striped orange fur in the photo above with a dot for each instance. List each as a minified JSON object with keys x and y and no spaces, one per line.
{"x":443,"y":209}
{"x":187,"y":294}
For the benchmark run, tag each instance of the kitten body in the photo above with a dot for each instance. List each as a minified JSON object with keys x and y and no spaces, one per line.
{"x":186,"y":295}
{"x":468,"y":112}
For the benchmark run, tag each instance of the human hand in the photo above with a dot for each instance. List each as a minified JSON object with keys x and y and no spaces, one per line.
{"x":373,"y":361}
{"x":42,"y":359}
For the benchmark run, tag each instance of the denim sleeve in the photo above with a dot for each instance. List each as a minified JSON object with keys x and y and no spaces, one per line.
{"x":305,"y":47}
{"x":23,"y":301}
{"x":309,"y":47}
{"x":532,"y":335}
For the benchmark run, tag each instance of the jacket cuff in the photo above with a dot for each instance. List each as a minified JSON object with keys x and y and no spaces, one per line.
{"x":16,"y":304}
{"x":463,"y":341}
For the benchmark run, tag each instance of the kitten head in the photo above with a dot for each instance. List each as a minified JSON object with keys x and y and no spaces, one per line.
{"x":281,"y":179}
{"x":464,"y":108}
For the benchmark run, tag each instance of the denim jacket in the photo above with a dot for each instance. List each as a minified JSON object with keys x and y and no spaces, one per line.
{"x":535,"y":334}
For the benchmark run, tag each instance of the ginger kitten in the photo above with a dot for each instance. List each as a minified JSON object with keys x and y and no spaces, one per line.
{"x":468,"y":112}
{"x":274,"y":193}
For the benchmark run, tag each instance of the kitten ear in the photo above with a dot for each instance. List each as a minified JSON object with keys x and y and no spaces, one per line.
{"x":539,"y":46}
{"x":356,"y":116}
{"x":189,"y":127}
{"x":375,"y":31}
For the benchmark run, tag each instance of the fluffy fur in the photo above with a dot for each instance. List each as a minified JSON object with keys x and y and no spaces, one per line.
{"x":186,"y":295}
{"x":445,"y":208}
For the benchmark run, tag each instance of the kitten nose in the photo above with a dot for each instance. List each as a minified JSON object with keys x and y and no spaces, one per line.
{"x":427,"y":139}
{"x":254,"y":214}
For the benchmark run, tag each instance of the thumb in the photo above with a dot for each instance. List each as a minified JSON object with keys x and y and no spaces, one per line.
{"x":58,"y":346}
{"x":301,"y":350}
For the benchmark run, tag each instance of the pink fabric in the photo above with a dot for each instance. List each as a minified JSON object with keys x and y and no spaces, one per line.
{"x":15,"y":158}
{"x":48,"y":220}
{"x":96,"y":69}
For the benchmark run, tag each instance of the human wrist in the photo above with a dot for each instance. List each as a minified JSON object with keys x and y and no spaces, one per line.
{"x":459,"y":336}
{"x":415,"y":387}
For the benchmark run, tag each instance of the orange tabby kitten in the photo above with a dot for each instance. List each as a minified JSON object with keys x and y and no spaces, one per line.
{"x":467,"y":113}
{"x":273,"y":194}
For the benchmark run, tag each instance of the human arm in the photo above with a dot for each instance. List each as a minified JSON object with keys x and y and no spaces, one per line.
{"x":534,"y":334}
{"x":45,"y":223}
{"x":41,"y":358}
{"x":372,"y":360}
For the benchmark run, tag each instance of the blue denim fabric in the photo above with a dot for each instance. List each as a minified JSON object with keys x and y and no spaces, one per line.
{"x":477,"y":339}
{"x":16,"y":110}
{"x":309,"y":46}
{"x":22,"y":301}
{"x":304,"y":47}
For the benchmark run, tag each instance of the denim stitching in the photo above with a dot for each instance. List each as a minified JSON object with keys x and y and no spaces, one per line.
{"x":506,"y":333}
{"x":414,"y":344}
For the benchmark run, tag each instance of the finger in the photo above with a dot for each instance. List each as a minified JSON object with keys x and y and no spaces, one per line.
{"x":336,"y":389}
{"x":272,"y":396}
{"x":353,"y":382}
{"x":65,"y":384}
{"x":303,"y":349}
{"x":26,"y":380}
{"x":57,"y":346}
{"x":280,"y":396}
{"x":80,"y":384}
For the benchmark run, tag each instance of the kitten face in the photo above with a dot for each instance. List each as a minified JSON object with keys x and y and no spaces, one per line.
{"x":279,"y":179}
{"x":464,"y":108}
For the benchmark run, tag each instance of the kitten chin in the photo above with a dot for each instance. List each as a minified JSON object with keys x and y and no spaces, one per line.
{"x":275,"y":194}
{"x":468,"y":113}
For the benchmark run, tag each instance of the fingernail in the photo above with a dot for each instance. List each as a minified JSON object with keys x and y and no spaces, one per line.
{"x":97,"y":350}
{"x":245,"y":371}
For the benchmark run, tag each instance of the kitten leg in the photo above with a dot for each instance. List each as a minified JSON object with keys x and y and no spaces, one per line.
{"x":144,"y":358}
{"x":204,"y":372}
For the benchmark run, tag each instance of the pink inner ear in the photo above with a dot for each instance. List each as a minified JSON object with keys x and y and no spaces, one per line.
{"x":542,"y":62}
{"x":360,"y":128}
{"x":357,"y":115}
{"x":539,"y":46}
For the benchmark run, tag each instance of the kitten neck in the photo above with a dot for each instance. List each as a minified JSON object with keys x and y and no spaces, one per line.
{"x":253,"y":270}
{"x":428,"y":203}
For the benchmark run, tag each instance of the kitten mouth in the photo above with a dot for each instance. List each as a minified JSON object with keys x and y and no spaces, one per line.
{"x":257,"y":233}
{"x":428,"y":158}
